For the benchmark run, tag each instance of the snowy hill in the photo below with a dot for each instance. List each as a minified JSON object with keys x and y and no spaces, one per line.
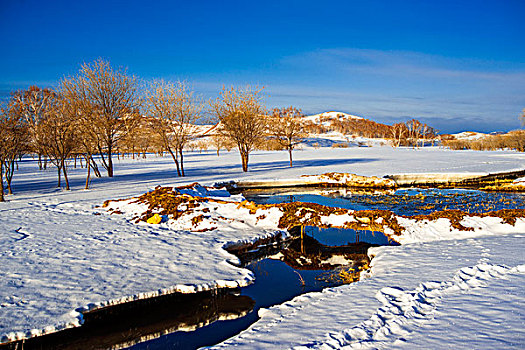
{"x":469,"y":135}
{"x":325,"y":118}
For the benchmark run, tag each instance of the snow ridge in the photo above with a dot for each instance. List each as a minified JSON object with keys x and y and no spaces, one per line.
{"x":403,"y":311}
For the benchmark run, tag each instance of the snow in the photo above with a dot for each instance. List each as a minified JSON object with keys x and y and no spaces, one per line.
{"x":469,"y":135}
{"x":330,"y":115}
{"x":61,"y":257}
{"x":520,"y":180}
{"x":422,"y":295}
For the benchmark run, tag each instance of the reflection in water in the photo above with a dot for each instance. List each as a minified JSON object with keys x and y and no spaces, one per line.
{"x":403,"y":202}
{"x":282,"y":272}
{"x":123,"y":325}
{"x":278,"y":278}
{"x":335,"y":236}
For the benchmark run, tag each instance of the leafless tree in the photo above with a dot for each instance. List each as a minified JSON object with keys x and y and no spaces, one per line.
{"x":242,"y":116}
{"x":219,"y":141}
{"x":175,"y":111}
{"x":522,"y":116}
{"x":33,"y":104}
{"x":111,"y":98}
{"x":429,"y":133}
{"x":286,"y":128}
{"x":60,"y":130}
{"x":415,"y":129}
{"x":398,"y":132}
{"x":14,"y":141}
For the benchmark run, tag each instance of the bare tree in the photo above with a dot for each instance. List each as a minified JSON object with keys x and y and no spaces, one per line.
{"x":242,"y":117}
{"x":60,"y":134}
{"x":522,"y":116}
{"x":415,"y":129}
{"x":33,"y":104}
{"x":429,"y":133}
{"x":175,"y":111}
{"x":399,"y":132}
{"x":110,"y":98}
{"x":286,"y":128}
{"x":14,"y":142}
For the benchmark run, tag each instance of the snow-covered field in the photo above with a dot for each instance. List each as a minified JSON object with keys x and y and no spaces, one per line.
{"x":59,"y":256}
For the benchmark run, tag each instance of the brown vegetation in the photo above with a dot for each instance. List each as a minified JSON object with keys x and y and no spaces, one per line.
{"x":13,"y":143}
{"x":109,"y":99}
{"x":242,"y":116}
{"x":286,"y":128}
{"x":174,"y":111}
{"x":168,"y":201}
{"x":513,"y":140}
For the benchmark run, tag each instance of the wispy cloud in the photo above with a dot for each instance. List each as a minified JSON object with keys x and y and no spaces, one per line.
{"x":454,"y":93}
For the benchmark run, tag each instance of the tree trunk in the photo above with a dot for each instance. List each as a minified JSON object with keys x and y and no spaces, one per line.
{"x":93,"y":165}
{"x":59,"y":171}
{"x":244,"y":159}
{"x":40,"y":161}
{"x":1,"y":180}
{"x":181,"y":162}
{"x":88,"y":172}
{"x":64,"y":170}
{"x":104,"y":163}
{"x":110,"y":161}
{"x":9,"y":171}
{"x":175,"y":159}
{"x":290,"y":153}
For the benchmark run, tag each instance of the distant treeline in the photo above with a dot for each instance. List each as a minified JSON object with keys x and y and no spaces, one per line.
{"x":513,"y":140}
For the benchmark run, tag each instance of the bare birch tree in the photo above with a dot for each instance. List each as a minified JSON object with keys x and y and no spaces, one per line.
{"x":242,"y":116}
{"x":415,"y":129}
{"x":175,"y":111}
{"x":286,"y":128}
{"x":398,"y":132}
{"x":111,"y":98}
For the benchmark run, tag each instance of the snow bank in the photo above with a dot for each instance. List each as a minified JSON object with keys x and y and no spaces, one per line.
{"x":322,"y":180}
{"x":65,"y":260}
{"x":451,"y":293}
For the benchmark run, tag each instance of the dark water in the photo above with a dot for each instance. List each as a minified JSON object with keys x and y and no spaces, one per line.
{"x":276,"y":282}
{"x":338,"y":236}
{"x":402,"y":202}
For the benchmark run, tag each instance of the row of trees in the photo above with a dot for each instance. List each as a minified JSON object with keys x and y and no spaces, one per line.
{"x":412,"y":133}
{"x":102,"y":109}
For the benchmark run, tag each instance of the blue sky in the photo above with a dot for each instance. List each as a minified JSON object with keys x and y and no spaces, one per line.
{"x":457,"y":65}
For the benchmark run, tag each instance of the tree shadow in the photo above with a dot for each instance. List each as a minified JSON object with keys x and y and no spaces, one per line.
{"x":195,"y":171}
